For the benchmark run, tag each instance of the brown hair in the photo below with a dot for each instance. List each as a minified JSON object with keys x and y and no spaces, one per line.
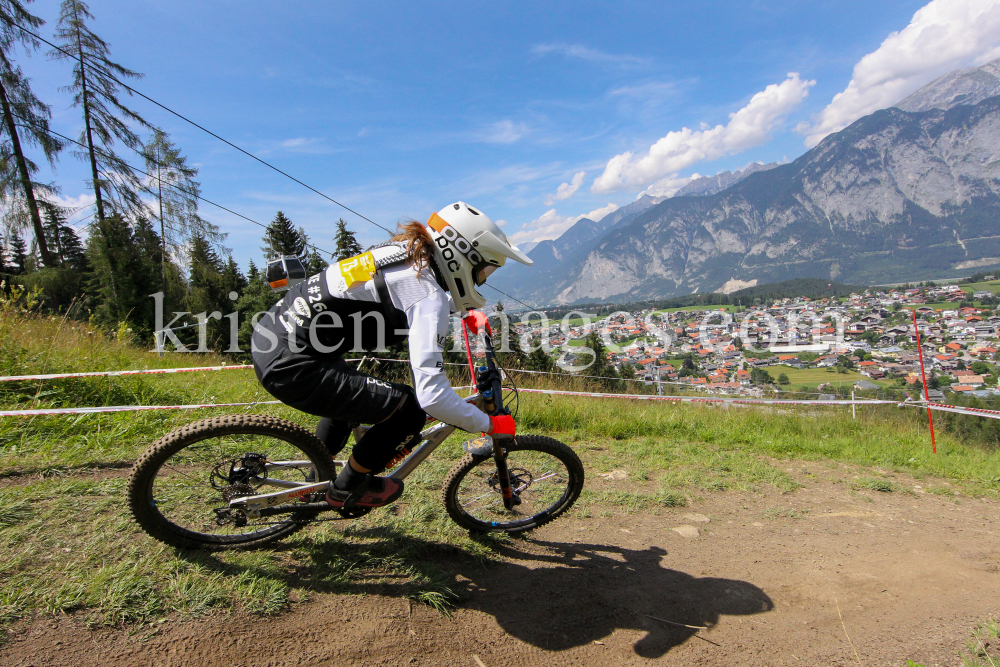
{"x":419,"y":245}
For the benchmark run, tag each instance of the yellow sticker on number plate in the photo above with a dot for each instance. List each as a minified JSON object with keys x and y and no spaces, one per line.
{"x":357,"y":269}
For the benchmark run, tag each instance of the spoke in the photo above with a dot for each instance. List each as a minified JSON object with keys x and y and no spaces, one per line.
{"x":179,"y":472}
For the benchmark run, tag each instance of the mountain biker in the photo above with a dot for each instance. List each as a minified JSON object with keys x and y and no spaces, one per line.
{"x":405,"y":289}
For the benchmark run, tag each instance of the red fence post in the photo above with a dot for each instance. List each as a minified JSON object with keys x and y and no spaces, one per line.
{"x":923,"y":375}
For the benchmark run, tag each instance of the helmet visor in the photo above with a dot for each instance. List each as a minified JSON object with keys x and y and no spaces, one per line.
{"x":482,"y":273}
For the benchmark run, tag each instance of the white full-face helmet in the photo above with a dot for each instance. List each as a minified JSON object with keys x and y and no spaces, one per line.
{"x":468,"y":247}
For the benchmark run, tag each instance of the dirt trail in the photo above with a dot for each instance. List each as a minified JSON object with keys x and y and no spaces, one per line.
{"x":821,"y":576}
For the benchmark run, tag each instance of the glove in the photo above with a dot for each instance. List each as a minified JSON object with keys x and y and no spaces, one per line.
{"x":476,"y":320}
{"x":502,"y":427}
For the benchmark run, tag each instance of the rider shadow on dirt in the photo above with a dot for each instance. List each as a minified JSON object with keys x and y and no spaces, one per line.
{"x":560,"y":595}
{"x":548,"y":594}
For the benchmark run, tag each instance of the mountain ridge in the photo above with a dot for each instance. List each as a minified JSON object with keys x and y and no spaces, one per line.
{"x":894,"y":196}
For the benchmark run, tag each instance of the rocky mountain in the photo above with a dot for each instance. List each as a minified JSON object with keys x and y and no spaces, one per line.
{"x":963,"y":86}
{"x":629,"y":212}
{"x":552,"y":256}
{"x":709,"y":185}
{"x":897,"y":195}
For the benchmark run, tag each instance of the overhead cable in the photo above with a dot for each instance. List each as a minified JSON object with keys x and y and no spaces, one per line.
{"x":187,"y":192}
{"x":80,"y":58}
{"x":83,"y":63}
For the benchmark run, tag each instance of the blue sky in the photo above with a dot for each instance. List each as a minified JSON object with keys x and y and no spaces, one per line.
{"x":399,"y":108}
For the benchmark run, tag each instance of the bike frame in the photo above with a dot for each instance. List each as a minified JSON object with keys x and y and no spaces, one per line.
{"x":489,"y":399}
{"x":430,"y":439}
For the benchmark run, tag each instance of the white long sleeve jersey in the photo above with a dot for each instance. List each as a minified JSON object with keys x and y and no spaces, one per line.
{"x":428,"y":311}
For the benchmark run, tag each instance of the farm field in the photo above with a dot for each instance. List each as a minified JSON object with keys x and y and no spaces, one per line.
{"x":813,"y":377}
{"x":992,"y":286}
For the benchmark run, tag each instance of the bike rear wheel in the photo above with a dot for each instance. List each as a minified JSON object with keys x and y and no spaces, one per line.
{"x":546,"y":476}
{"x":180,"y":488}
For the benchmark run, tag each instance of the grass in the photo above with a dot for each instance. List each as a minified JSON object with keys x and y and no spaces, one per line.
{"x":983,"y":650}
{"x":614,"y":347}
{"x":874,"y":484}
{"x":990,"y":286}
{"x":813,"y":377}
{"x":686,"y":309}
{"x":71,"y":546}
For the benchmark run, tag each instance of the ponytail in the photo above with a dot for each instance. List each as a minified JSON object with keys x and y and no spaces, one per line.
{"x":419,"y":245}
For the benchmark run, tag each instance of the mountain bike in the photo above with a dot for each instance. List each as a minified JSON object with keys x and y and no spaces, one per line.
{"x":244,"y":480}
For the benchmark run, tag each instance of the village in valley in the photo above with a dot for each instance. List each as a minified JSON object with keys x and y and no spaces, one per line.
{"x":864,"y":343}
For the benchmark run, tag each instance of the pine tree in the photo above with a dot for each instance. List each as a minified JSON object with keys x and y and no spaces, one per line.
{"x":601,"y":367}
{"x":71,"y":249}
{"x":315,"y":263}
{"x":205,"y":283}
{"x":125,"y":271}
{"x":538,"y":361}
{"x":172,"y":183}
{"x":18,"y":255}
{"x":233,"y":279}
{"x":281,"y":238}
{"x":25,"y":119}
{"x":509,"y":351}
{"x":257,"y":297}
{"x":347,"y":243}
{"x":312,"y":260}
{"x":105,"y":119}
{"x":63,"y":241}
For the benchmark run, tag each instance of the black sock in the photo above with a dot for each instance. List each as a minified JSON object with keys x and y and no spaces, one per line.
{"x":348,"y":478}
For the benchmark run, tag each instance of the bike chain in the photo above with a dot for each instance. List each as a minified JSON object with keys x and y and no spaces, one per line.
{"x":345,"y":515}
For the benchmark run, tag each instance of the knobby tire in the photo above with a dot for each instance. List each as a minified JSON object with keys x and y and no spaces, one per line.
{"x":550,"y":472}
{"x":271,"y":432}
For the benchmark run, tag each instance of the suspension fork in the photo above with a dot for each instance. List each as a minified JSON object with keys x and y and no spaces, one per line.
{"x":503,"y":475}
{"x":491,"y":388}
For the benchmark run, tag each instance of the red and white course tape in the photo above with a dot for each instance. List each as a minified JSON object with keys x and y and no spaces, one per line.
{"x":957,"y":409}
{"x":149,"y":371}
{"x":124,"y":408}
{"x":696,"y":399}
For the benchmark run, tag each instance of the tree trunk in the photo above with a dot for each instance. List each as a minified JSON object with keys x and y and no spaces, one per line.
{"x":90,"y":137}
{"x":163,"y":235}
{"x":22,"y":168}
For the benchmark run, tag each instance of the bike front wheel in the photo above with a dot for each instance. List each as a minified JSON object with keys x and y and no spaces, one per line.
{"x":546,"y":478}
{"x":180,"y":489}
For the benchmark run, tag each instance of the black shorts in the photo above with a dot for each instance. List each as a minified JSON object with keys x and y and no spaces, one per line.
{"x":326,"y":386}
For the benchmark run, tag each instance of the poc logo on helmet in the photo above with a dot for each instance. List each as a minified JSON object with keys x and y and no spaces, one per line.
{"x":448,"y":234}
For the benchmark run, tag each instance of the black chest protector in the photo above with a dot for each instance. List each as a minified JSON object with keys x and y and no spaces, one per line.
{"x":323,"y":321}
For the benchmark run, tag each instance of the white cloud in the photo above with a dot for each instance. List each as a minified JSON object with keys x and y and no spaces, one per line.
{"x":655,"y":89}
{"x":581,"y":52}
{"x":500,"y":223}
{"x":504,"y":132}
{"x":314,"y":145}
{"x":79,"y":207}
{"x":551,"y":225}
{"x":943,"y":35}
{"x":668,"y":185}
{"x":747,"y":128}
{"x":566,"y":190}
